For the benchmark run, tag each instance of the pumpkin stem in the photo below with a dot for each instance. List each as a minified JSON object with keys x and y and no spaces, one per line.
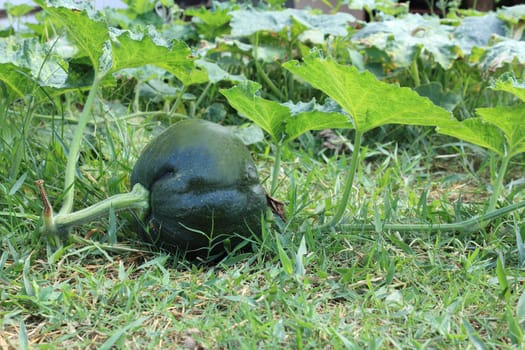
{"x":138,"y":197}
{"x":55,"y":226}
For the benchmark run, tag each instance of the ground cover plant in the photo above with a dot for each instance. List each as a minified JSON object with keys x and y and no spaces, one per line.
{"x":396,"y":146}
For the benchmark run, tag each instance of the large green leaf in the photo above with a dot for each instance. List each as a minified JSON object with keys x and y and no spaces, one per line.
{"x":111,"y":49}
{"x":404,"y":39}
{"x":434,"y":91}
{"x":502,"y":53}
{"x":307,"y":116}
{"x":88,"y":34}
{"x":315,"y":120}
{"x":268,"y":115}
{"x":247,"y":22}
{"x":18,"y":10}
{"x":216,"y":73}
{"x":512,"y":14}
{"x":500,"y":129}
{"x":510,"y":120}
{"x":16,"y":78}
{"x":371,"y":103}
{"x":370,"y":4}
{"x":132,"y":50}
{"x":477,"y":132}
{"x":140,"y":6}
{"x":283,"y":122}
{"x":477,"y":31}
{"x":511,"y":85}
{"x":210,"y":23}
{"x":39,"y":62}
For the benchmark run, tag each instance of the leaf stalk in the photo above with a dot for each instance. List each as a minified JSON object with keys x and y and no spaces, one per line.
{"x":498,"y":184}
{"x":137,"y":198}
{"x":276,"y":167}
{"x":472,"y":224}
{"x":349,"y":180}
{"x":74,"y":149}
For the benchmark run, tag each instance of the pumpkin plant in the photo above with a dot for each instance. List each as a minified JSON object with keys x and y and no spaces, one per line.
{"x":499,"y":129}
{"x":279,"y":120}
{"x":186,"y":170}
{"x":368,"y":104}
{"x":109,"y":51}
{"x":371,"y":103}
{"x":197,"y":186}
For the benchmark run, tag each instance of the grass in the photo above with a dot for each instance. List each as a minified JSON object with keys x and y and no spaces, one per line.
{"x":375,"y":291}
{"x":338,"y":290}
{"x":300,"y":288}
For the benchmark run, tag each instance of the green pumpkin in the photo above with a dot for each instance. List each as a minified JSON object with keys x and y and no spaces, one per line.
{"x":205,"y":193}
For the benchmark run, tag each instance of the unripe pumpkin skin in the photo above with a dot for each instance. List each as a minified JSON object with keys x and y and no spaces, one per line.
{"x":204,"y":189}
